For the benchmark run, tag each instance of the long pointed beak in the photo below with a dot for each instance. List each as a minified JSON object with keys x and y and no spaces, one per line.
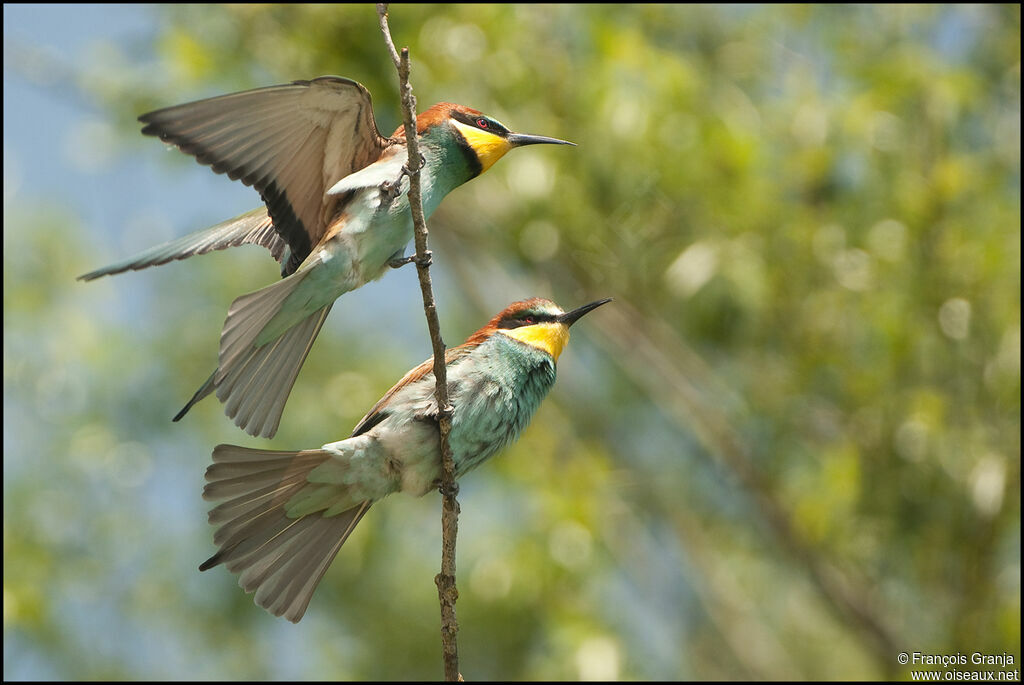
{"x":569,"y":318}
{"x":521,"y":139}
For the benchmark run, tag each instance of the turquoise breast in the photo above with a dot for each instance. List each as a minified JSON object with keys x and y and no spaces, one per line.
{"x":495,"y":396}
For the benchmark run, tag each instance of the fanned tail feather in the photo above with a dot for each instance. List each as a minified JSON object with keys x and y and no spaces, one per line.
{"x":282,"y":559}
{"x":252,"y":228}
{"x":254,"y":381}
{"x":204,"y":390}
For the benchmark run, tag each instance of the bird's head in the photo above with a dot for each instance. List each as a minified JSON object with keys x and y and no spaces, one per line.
{"x":536,"y":322}
{"x":484,"y":139}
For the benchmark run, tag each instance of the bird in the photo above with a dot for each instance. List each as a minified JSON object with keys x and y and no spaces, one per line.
{"x":336,"y":214}
{"x":283,"y":516}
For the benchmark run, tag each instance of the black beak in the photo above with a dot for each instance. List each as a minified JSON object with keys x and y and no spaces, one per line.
{"x":521,"y":139}
{"x":569,"y":318}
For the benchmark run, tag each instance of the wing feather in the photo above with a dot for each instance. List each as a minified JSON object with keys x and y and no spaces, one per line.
{"x":251,"y":228}
{"x":377,"y":412}
{"x":290,"y":142}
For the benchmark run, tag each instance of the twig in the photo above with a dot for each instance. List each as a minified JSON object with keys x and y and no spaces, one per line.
{"x":445,"y":580}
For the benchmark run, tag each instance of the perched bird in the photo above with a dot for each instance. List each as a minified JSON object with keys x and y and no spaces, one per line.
{"x":336,"y":215}
{"x":284,"y":515}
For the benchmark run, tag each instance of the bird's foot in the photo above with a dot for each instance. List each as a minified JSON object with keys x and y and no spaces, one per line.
{"x":448,"y":491}
{"x":399,"y":262}
{"x":389,"y":191}
{"x":408,"y":172}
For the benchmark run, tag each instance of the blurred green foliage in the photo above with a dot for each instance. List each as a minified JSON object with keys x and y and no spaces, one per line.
{"x":811,"y":213}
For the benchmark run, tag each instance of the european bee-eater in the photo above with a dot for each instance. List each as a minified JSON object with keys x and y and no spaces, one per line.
{"x":336,"y":215}
{"x":285,"y":515}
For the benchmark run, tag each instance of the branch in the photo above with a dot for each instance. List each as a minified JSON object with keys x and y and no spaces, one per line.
{"x":445,"y":580}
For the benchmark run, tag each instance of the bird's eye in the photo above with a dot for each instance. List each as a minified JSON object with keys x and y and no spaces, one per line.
{"x":482,"y":123}
{"x":528,"y":319}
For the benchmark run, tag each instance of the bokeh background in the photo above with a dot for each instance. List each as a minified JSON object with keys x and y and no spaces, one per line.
{"x":789,"y":449}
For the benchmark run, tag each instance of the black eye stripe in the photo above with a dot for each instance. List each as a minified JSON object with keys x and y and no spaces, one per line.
{"x":481,"y":122}
{"x":526,"y":319}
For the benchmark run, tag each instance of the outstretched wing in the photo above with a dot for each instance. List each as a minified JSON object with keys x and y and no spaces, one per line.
{"x":290,"y":142}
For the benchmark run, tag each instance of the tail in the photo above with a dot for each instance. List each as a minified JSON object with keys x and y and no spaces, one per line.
{"x":204,"y":390}
{"x":251,"y":228}
{"x":280,"y":557}
{"x":253,"y":379}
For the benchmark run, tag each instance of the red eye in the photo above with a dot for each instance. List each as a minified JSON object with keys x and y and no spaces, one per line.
{"x":528,"y":319}
{"x":482,"y":123}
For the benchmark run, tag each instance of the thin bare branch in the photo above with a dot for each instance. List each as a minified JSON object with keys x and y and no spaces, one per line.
{"x":445,"y":580}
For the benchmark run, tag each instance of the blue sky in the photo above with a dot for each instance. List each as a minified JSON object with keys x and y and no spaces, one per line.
{"x":41,"y":120}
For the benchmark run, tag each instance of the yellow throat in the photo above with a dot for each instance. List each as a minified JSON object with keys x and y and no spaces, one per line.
{"x":489,"y":148}
{"x":548,"y":336}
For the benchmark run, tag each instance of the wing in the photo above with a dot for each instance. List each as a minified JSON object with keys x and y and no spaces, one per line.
{"x":289,"y":142}
{"x":379,"y":411}
{"x":251,"y":228}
